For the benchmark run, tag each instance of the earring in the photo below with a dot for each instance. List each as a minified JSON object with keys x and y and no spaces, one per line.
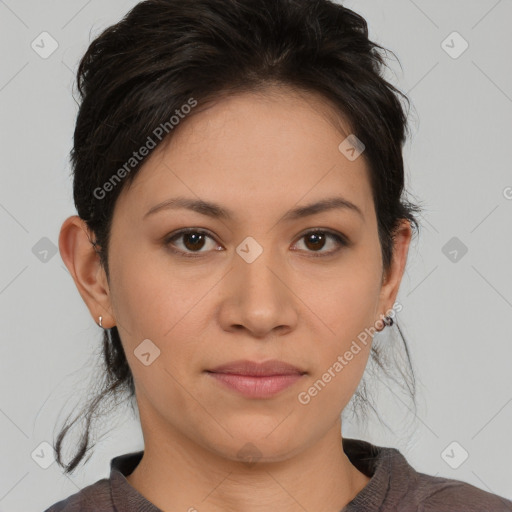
{"x":388,"y":321}
{"x":99,"y":323}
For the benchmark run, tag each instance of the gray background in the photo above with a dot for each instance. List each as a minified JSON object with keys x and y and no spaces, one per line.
{"x":456,"y":314}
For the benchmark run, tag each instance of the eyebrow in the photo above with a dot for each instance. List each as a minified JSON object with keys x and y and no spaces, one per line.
{"x":214,"y":210}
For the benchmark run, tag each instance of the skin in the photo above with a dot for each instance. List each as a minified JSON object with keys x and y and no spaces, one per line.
{"x":259,"y":155}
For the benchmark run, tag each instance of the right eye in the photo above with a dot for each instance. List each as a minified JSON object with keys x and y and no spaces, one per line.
{"x":193,"y":240}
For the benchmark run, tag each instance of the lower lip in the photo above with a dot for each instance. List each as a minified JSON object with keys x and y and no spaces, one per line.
{"x":256,"y":387}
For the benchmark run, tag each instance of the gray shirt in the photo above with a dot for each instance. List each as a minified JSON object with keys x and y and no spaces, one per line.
{"x":394,"y":486}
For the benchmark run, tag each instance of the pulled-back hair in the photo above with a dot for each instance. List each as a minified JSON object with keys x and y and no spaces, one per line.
{"x":137,"y":73}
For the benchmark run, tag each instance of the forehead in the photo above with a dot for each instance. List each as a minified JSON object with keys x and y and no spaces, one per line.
{"x":255,"y":150}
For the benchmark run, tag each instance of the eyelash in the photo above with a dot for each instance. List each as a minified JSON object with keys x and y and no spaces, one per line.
{"x":340,"y":239}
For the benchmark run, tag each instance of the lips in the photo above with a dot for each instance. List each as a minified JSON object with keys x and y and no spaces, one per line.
{"x":256,"y":380}
{"x":245,"y":367}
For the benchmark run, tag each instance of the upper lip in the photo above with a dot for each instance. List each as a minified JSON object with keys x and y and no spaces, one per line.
{"x":266,"y":368}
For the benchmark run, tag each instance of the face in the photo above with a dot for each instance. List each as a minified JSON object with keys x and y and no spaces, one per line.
{"x":256,"y":283}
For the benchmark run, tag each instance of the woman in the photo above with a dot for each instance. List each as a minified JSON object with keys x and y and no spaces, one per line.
{"x":241,"y":236}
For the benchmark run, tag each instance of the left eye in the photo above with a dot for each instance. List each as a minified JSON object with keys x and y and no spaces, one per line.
{"x":193,"y":240}
{"x":317,"y":240}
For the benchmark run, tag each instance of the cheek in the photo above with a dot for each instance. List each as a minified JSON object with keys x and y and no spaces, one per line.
{"x":156,"y":306}
{"x":151,"y":293}
{"x":344,"y":304}
{"x":344,"y":321}
{"x":158,"y":302}
{"x":341,"y":353}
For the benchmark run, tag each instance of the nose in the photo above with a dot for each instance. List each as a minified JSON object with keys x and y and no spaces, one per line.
{"x":258,"y":297}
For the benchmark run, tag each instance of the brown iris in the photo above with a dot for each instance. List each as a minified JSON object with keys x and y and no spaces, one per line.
{"x":193,"y":241}
{"x":315,"y":240}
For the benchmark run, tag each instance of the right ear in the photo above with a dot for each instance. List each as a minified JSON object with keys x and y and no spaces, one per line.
{"x":80,"y":257}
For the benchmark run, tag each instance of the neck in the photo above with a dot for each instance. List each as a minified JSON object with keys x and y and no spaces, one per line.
{"x":180,"y":475}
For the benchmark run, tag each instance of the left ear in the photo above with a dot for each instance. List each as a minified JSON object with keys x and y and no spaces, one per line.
{"x":392,"y":279}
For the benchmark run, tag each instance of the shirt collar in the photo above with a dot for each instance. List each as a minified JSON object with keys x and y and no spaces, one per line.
{"x":390,"y":475}
{"x":125,"y":497}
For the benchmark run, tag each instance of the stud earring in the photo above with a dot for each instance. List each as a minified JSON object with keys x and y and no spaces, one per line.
{"x":388,"y":321}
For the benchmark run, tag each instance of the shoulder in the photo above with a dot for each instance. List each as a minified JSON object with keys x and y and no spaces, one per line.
{"x":96,"y":497}
{"x":440,"y":494}
{"x":397,"y":486}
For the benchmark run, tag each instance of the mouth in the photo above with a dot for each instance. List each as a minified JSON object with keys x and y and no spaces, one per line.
{"x":269,"y":368}
{"x":256,"y":380}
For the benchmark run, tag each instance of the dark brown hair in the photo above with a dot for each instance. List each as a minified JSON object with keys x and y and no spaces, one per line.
{"x":138,"y":72}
